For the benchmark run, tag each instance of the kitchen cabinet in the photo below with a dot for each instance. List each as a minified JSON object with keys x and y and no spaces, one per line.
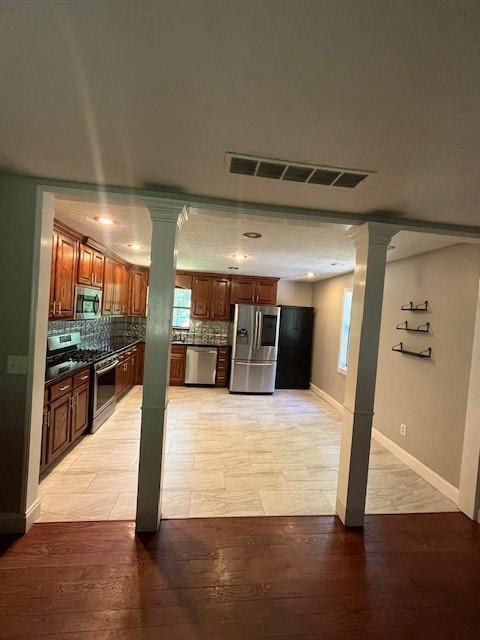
{"x":223,"y":361}
{"x":80,"y":399}
{"x":59,"y":421}
{"x":65,"y":416}
{"x":90,"y":266}
{"x":126,"y":371}
{"x":138,"y":291}
{"x":63,"y":276}
{"x":139,"y":363}
{"x":177,"y":365}
{"x":183,"y":280}
{"x":254,"y":290}
{"x":115,"y":288}
{"x":210,"y":297}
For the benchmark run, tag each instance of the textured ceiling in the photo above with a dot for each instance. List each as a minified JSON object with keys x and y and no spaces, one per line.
{"x":287,"y":249}
{"x":155,"y":93}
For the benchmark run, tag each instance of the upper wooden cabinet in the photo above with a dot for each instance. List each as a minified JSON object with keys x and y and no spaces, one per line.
{"x":108,"y":287}
{"x":115,"y":288}
{"x":90,"y":266}
{"x":254,"y":290}
{"x":63,"y":276}
{"x":183,"y":280}
{"x":220,"y":301}
{"x":138,"y":291}
{"x":201,"y":297}
{"x":210,"y":297}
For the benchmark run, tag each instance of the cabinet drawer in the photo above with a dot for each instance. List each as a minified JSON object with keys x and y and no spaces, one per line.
{"x":60,"y":388}
{"x":81,"y":378}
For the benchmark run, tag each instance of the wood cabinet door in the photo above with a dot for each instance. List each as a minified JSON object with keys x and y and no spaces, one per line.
{"x":79,"y":411}
{"x":183,"y":280}
{"x":108,"y":287}
{"x":118,"y":288}
{"x":85,"y":264}
{"x":119,"y":379}
{"x":44,"y":450}
{"x":98,"y":263}
{"x":59,"y":430}
{"x":52,"y":305}
{"x":138,"y":292}
{"x":243,"y":290}
{"x":201,"y":297}
{"x":139,"y":363}
{"x":65,"y":276}
{"x":266,"y":291}
{"x":220,"y":302}
{"x":177,"y":365}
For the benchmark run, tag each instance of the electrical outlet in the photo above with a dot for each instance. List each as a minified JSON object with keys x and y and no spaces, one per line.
{"x":17,"y":365}
{"x":403,"y":430}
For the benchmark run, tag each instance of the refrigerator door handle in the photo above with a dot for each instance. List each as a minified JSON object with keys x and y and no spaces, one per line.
{"x":258,"y":329}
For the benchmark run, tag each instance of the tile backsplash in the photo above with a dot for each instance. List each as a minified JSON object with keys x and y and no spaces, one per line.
{"x":205,"y":332}
{"x":100,"y":331}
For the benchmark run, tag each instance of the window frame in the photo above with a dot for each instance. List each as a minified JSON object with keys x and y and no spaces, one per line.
{"x":340,"y":368}
{"x":176,"y":306}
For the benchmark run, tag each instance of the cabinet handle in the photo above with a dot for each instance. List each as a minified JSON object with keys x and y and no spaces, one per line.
{"x":84,"y":377}
{"x":64,"y":388}
{"x":48,"y":419}
{"x":59,"y":307}
{"x":94,"y":280}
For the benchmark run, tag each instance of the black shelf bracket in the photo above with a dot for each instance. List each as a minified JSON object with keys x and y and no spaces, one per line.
{"x":422,"y":328}
{"x":422,"y":306}
{"x":426,"y":353}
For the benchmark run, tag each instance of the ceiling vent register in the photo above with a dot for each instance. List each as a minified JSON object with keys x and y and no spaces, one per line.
{"x":294,"y":172}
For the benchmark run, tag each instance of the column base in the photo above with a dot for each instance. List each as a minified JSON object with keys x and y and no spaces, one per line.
{"x":19,"y":523}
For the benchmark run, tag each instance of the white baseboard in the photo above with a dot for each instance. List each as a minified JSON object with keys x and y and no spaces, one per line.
{"x":448,"y":490}
{"x":431,"y":476}
{"x":19,"y":523}
{"x":324,"y":395}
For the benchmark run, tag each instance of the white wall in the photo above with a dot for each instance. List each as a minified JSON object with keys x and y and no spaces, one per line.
{"x":429,"y":396}
{"x":296,"y":294}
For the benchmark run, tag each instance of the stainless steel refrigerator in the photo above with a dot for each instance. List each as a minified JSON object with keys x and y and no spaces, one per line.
{"x":254,"y":349}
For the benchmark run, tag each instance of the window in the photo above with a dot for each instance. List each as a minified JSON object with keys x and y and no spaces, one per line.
{"x":345,"y":331}
{"x":182,"y":302}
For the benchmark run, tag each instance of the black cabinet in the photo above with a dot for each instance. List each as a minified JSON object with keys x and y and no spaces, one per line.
{"x":295,"y":347}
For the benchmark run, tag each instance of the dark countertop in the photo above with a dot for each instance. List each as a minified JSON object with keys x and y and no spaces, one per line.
{"x":69,"y":367}
{"x":199,"y":344}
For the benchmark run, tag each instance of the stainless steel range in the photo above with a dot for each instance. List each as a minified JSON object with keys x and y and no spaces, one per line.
{"x":65,"y":356}
{"x":103,"y":390}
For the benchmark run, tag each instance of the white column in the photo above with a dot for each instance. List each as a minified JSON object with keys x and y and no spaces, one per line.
{"x":371,"y":241}
{"x":164,"y":217}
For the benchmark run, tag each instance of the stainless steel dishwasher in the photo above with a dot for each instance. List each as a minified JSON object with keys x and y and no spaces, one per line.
{"x":201,"y":367}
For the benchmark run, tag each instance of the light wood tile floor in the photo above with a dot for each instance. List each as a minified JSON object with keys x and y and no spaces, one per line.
{"x":227,"y":455}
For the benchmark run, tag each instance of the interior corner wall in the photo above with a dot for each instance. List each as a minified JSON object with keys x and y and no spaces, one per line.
{"x":296,"y":294}
{"x":328,"y":302}
{"x":18,"y":268}
{"x":429,"y":396}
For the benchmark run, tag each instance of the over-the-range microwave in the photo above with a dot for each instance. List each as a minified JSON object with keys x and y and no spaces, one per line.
{"x":88,"y":303}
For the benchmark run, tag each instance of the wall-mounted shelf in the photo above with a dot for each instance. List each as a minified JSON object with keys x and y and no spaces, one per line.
{"x":422,"y":306}
{"x":422,"y":328}
{"x":426,"y":353}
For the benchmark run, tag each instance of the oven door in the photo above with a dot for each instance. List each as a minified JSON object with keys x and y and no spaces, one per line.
{"x":88,"y":303}
{"x":104,"y":390}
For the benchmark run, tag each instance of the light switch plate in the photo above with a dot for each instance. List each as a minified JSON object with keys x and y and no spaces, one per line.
{"x":17,"y":365}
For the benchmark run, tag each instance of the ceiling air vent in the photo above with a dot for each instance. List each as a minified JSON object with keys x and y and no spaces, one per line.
{"x":349,"y":180}
{"x":292,"y":172}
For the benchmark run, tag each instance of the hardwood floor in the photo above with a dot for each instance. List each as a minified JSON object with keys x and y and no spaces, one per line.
{"x":404,"y":577}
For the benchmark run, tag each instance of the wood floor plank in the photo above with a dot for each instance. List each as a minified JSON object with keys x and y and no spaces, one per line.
{"x":244,"y":578}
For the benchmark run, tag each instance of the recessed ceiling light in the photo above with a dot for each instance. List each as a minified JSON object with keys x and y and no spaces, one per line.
{"x":252,"y":234}
{"x":135,"y":246}
{"x":310,"y":274}
{"x":236,"y":268}
{"x":104,"y":220}
{"x":239,"y":257}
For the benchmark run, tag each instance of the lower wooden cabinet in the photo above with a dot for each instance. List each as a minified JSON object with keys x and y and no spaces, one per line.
{"x":139,"y":363}
{"x":128,"y":370}
{"x":223,"y":361}
{"x":80,"y":414}
{"x":65,"y":416}
{"x":59,"y":421}
{"x":177,"y":365}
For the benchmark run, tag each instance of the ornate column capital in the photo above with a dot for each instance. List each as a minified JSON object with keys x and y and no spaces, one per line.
{"x":368,"y":233}
{"x":164,"y":210}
